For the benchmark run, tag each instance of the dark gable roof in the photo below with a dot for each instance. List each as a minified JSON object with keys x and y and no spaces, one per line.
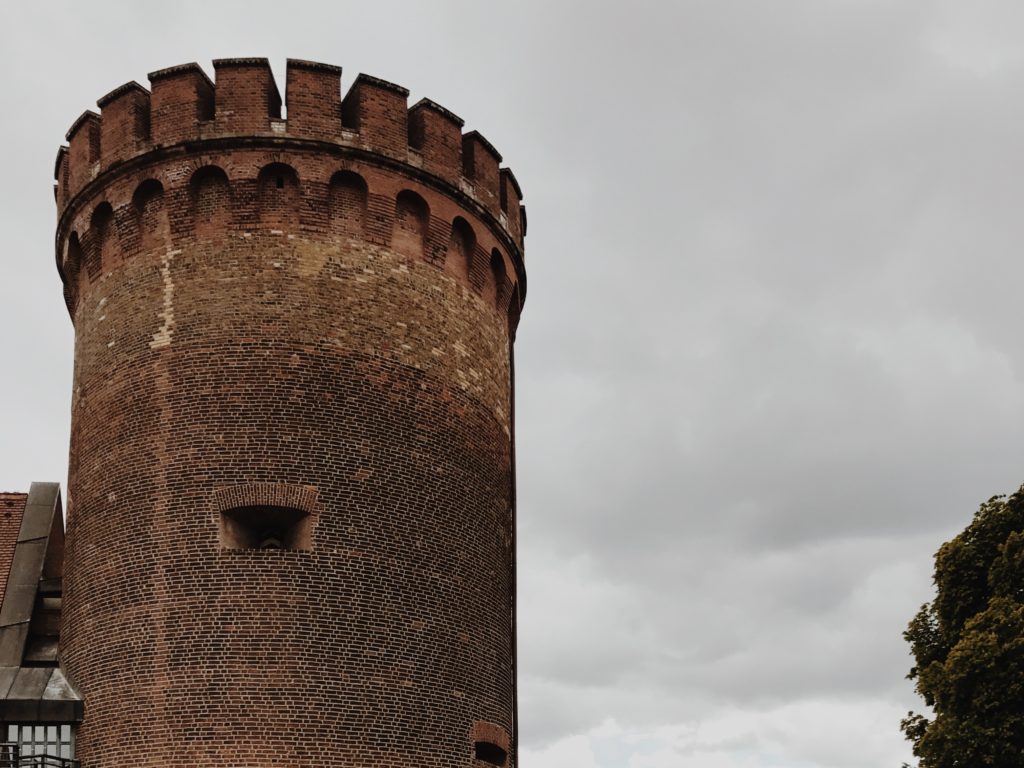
{"x":32,"y":686}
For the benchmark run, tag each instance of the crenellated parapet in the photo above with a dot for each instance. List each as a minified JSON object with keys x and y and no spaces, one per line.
{"x":185,"y":112}
{"x":291,"y":515}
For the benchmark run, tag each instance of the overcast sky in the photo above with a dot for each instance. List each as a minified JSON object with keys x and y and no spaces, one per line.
{"x":771,"y":355}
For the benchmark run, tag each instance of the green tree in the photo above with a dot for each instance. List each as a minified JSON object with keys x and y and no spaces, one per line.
{"x":968,"y":646}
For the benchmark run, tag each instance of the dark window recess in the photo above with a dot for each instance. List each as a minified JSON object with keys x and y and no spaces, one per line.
{"x":280,"y":182}
{"x":489,"y":753}
{"x":265,"y":527}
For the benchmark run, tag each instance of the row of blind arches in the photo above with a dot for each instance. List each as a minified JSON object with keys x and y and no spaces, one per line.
{"x":278,"y":205}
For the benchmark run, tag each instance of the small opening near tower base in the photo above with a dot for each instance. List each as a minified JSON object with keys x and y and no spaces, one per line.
{"x":489,"y":753}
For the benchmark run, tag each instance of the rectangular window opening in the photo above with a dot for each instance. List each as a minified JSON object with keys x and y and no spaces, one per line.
{"x":52,"y":744}
{"x":489,"y":753}
{"x":265,"y":527}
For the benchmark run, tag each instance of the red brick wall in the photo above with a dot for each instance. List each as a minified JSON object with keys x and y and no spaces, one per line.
{"x":241,"y":330}
{"x":12,"y":509}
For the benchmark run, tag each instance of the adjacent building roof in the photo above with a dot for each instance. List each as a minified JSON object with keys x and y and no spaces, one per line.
{"x":12,"y":507}
{"x":32,"y":686}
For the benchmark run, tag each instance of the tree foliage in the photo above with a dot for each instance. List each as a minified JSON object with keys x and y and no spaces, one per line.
{"x":968,"y":646}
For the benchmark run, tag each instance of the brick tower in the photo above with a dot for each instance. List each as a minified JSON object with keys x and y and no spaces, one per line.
{"x":291,"y":493}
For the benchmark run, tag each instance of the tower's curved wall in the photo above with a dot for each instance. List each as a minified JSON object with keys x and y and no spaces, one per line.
{"x":312,"y":315}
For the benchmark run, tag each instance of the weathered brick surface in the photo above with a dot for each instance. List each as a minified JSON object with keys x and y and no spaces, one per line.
{"x":181,"y":103}
{"x":286,"y":317}
{"x":12,"y":509}
{"x":247,"y":96}
{"x":437,"y":134}
{"x":125,"y":122}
